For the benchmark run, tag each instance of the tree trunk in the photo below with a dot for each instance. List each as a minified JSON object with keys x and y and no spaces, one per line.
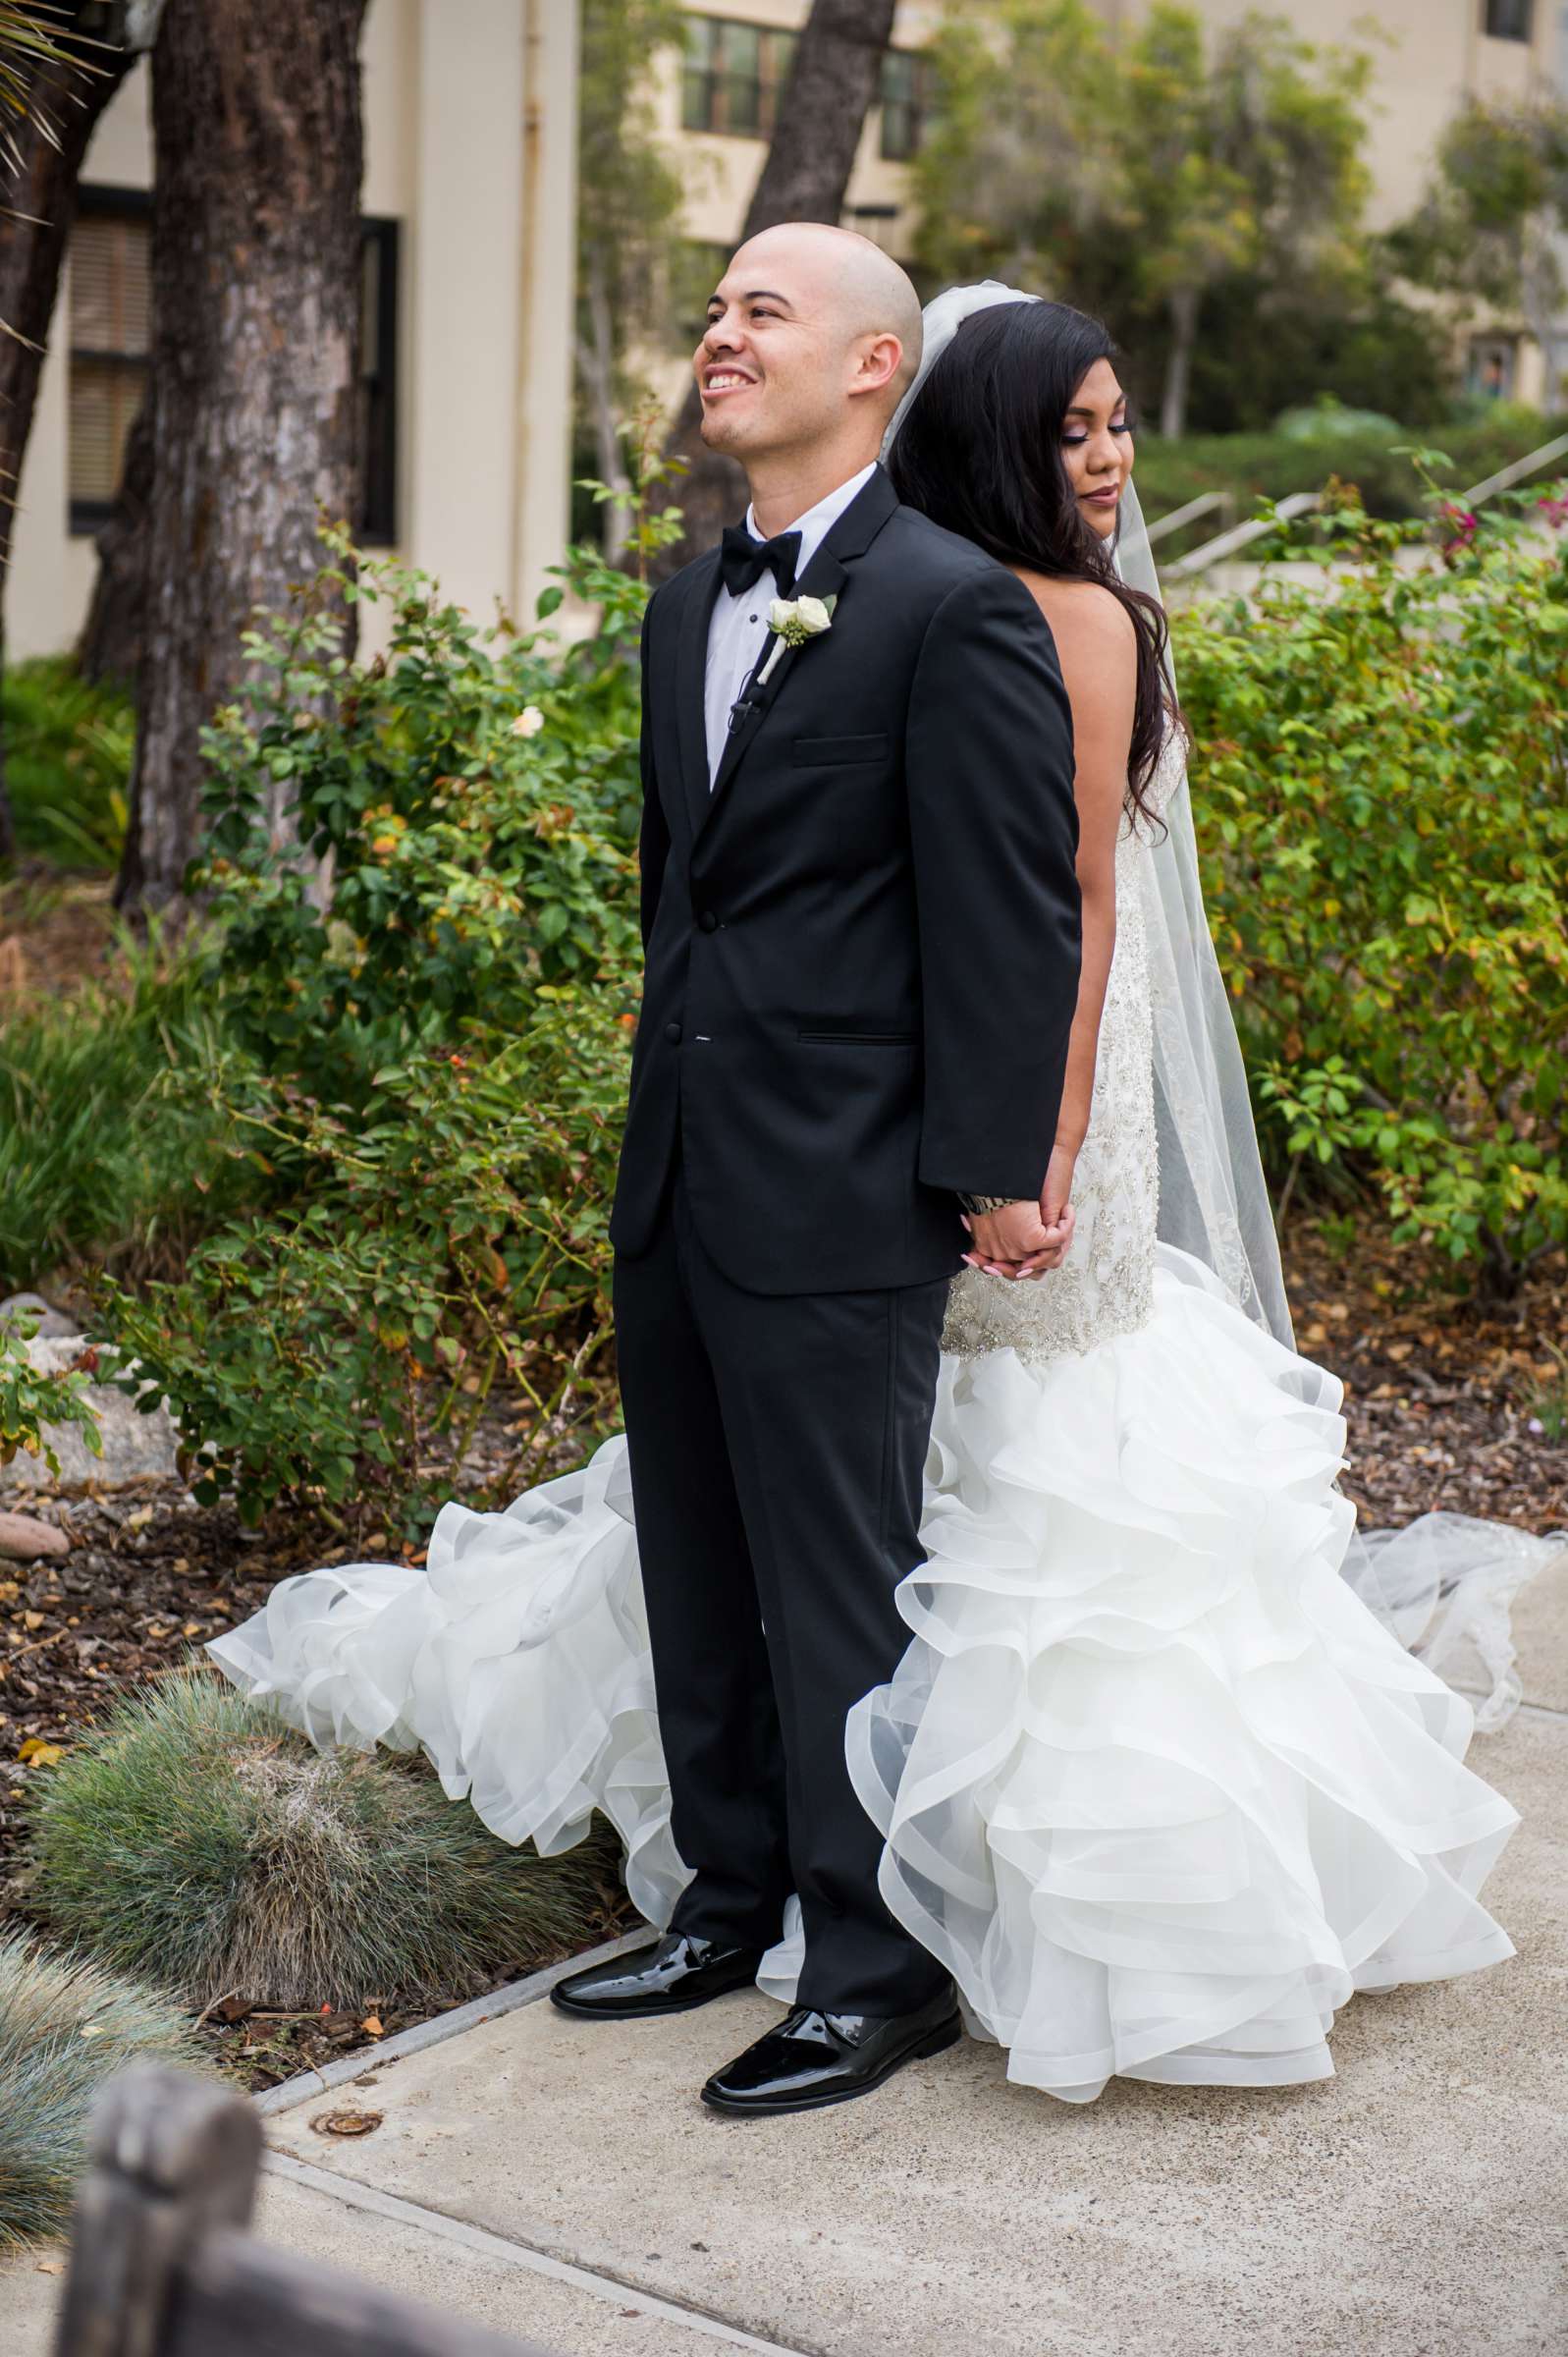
{"x":805,"y":174}
{"x":254,"y":380}
{"x":1178,"y":361}
{"x":596,"y":373}
{"x":114,"y":633}
{"x":39,"y":200}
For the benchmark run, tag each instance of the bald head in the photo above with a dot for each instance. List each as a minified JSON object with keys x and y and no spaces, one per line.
{"x":812,"y":335}
{"x":864,"y":289}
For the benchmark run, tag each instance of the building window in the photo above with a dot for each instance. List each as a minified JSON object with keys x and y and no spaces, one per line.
{"x":1510,"y":20}
{"x":1490,"y":367}
{"x":109,"y":336}
{"x":878,"y":222}
{"x":733,"y":77}
{"x":904,"y":85}
{"x":376,"y":522}
{"x":110,"y":314}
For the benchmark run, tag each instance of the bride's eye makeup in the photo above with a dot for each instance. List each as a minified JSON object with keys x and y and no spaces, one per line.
{"x":1077,"y":439}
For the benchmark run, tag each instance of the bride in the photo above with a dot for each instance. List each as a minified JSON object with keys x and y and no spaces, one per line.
{"x":1159,"y":1779}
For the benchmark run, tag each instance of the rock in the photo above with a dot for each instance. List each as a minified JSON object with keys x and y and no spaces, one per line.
{"x":136,"y":1448}
{"x":52,"y":1323}
{"x":24,"y":1539}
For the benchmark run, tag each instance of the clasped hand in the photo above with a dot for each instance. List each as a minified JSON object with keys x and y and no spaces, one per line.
{"x":1025,"y":1239}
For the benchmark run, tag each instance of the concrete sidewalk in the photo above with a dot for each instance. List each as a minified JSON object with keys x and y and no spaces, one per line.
{"x":561,"y":2180}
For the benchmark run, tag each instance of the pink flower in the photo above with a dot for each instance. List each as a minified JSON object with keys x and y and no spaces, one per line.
{"x":1462,"y":525}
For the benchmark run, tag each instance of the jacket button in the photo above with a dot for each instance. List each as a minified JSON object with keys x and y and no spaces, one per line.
{"x":673,"y":1034}
{"x":708,"y":921}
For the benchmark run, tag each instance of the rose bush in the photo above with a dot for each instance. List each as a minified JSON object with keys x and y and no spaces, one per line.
{"x":1379,"y":772}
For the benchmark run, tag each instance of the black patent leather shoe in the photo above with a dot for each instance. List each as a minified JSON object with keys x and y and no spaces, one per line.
{"x":814,"y":2058}
{"x":673,"y":1976}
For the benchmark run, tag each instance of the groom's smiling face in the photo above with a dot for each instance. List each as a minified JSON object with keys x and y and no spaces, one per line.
{"x":807,"y":323}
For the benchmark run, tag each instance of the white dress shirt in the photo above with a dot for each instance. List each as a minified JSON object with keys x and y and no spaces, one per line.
{"x":740,"y":624}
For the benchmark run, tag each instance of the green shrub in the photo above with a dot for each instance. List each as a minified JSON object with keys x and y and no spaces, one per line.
{"x":1378,"y":787}
{"x":461,"y":789}
{"x":197,"y":1841}
{"x":430,"y":1073}
{"x":65,"y":2027}
{"x":103,"y":1159}
{"x":31,"y":1399}
{"x":68,"y":750}
{"x":450,"y":1238}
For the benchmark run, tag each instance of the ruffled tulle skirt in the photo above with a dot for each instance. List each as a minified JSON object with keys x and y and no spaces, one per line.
{"x":1155,"y":1782}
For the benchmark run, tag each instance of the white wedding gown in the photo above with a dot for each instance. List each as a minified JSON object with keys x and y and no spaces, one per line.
{"x":1155,"y":1782}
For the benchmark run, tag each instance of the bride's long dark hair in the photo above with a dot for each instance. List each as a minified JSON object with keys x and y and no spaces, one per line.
{"x":980,"y":452}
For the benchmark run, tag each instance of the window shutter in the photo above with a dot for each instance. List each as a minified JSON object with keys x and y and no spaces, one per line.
{"x":110,"y":306}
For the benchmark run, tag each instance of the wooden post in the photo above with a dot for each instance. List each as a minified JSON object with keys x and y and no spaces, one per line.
{"x":172,"y":2159}
{"x":161,"y":2265}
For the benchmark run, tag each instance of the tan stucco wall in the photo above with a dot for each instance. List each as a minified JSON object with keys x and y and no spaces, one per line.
{"x":469,"y":109}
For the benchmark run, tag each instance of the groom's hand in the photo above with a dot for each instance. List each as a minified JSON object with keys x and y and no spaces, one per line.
{"x":1015,"y":1240}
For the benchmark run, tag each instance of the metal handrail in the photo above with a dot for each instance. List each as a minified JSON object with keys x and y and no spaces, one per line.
{"x":1507,"y":477}
{"x":1302,"y":502}
{"x":1189,"y":514}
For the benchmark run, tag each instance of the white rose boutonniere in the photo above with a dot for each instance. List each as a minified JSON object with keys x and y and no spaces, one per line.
{"x":793,"y":621}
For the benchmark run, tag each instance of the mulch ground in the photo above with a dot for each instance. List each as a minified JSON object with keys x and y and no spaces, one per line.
{"x":56,"y":934}
{"x":1448,"y":1404}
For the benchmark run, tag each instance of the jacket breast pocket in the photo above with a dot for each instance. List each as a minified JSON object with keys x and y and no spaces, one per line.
{"x":817,"y":752}
{"x":848,"y":1035}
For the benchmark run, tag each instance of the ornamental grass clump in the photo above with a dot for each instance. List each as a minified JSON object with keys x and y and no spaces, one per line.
{"x":197,"y":1841}
{"x":65,"y":2026}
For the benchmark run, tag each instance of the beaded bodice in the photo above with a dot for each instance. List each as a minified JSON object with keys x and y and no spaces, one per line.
{"x":1105,"y":1285}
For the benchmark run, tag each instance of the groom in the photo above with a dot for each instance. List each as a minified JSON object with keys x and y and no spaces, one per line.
{"x":860,"y":921}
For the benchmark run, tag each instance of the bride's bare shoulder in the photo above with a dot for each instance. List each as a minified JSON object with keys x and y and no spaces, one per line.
{"x":1096,"y":644}
{"x":1082,"y":611}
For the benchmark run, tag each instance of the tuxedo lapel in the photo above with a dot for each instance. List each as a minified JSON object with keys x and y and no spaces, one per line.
{"x":823,"y":578}
{"x":691,"y":679}
{"x":827,"y":576}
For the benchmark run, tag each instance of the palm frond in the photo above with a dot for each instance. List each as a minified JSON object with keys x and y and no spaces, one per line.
{"x":32,"y":39}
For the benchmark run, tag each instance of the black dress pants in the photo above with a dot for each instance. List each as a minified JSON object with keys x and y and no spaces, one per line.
{"x":777,"y":1446}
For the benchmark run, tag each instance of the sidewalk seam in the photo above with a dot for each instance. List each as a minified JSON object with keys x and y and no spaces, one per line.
{"x":487,"y":2244}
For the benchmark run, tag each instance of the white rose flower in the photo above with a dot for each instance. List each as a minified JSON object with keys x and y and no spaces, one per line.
{"x":529,"y":721}
{"x":793,"y":621}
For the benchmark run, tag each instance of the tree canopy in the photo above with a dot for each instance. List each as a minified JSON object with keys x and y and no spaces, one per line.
{"x":1148,"y":174}
{"x":1494,"y":219}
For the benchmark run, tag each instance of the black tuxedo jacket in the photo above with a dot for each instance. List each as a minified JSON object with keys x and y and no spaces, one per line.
{"x":862,"y":945}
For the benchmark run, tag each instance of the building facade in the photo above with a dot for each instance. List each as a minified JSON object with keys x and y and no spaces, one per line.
{"x":469,"y":262}
{"x":1428,"y":57}
{"x":469,"y":274}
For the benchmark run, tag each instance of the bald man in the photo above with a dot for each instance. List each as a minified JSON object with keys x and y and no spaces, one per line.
{"x":860,"y":922}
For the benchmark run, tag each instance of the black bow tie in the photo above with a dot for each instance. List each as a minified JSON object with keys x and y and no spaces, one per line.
{"x":743,"y":561}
